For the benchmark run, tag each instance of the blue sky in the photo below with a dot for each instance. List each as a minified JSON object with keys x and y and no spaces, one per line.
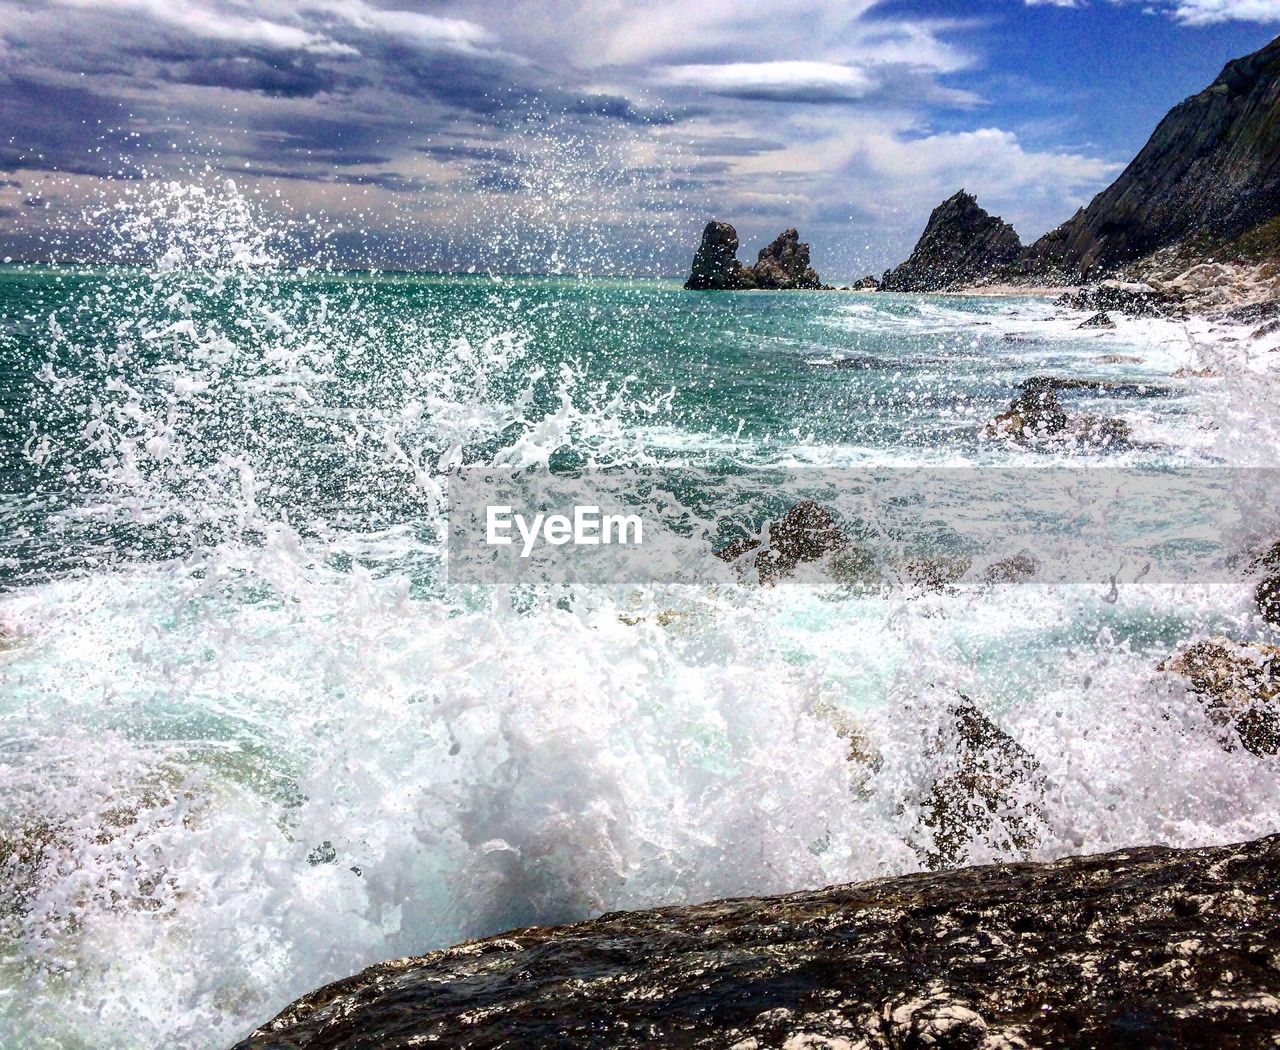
{"x":598,"y":134}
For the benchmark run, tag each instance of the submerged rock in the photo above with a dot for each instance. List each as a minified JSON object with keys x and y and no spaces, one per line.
{"x":961,"y":245}
{"x":1141,"y":948}
{"x":1240,"y":686}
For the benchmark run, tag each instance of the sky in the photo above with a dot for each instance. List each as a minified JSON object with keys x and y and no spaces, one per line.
{"x":589,"y":136}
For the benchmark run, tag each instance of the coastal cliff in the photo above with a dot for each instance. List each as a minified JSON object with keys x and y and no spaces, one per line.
{"x":782,"y":264}
{"x":1209,"y":175}
{"x":961,"y":245}
{"x":1145,"y":947}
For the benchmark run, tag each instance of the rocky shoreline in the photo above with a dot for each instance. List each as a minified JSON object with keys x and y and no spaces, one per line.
{"x":1144,"y":947}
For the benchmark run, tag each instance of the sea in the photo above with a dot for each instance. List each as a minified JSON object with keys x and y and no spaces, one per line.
{"x":253,"y":737}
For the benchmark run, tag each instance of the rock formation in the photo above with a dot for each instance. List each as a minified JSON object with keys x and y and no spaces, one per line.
{"x":1141,"y":948}
{"x":961,"y":245}
{"x":715,"y":264}
{"x":1239,"y":684}
{"x":784,"y":264}
{"x":1036,"y":418}
{"x":806,"y":533}
{"x":1210,"y":175}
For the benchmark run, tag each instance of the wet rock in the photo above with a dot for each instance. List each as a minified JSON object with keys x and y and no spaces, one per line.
{"x":1267,"y":593}
{"x":961,"y":245}
{"x":1118,"y":359}
{"x":1034,"y":413}
{"x":1196,"y":373}
{"x":1099,"y":431}
{"x":1264,"y":330}
{"x":1121,"y":297}
{"x":806,"y":533}
{"x":784,"y":264}
{"x":859,"y":361}
{"x":715,"y":264}
{"x":1100,"y":320}
{"x":1147,"y":947}
{"x":865,"y":284}
{"x":1240,"y":686}
{"x":1018,"y":568}
{"x":990,"y":792}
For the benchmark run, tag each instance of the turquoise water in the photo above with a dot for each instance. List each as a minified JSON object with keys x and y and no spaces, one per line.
{"x":251,"y":739}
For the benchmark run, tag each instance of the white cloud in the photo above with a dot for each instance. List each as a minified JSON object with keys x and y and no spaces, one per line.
{"x":774,"y":79}
{"x":1207,"y":12}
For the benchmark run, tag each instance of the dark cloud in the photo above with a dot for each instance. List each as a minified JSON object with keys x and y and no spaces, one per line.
{"x":263,"y":74}
{"x":45,"y":126}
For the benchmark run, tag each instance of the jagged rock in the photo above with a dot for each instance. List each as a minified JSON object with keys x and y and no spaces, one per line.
{"x":1097,"y":321}
{"x":961,"y":245}
{"x":1147,"y":947}
{"x":990,"y":792}
{"x":806,"y":533}
{"x":1123,"y":297}
{"x":1210,"y":172}
{"x":1240,"y":685}
{"x":1017,"y":568}
{"x":865,"y":284}
{"x":1035,"y":416}
{"x":785,"y":264}
{"x":1034,"y":413}
{"x":715,"y":264}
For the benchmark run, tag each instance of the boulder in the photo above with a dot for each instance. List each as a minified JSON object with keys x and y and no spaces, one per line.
{"x":806,"y":533}
{"x":961,"y":245}
{"x":1122,"y":297}
{"x":1239,"y":683}
{"x":715,"y":264}
{"x":785,"y":264}
{"x":1034,"y":413}
{"x":1097,"y":321}
{"x":1146,"y":947}
{"x":990,"y":792}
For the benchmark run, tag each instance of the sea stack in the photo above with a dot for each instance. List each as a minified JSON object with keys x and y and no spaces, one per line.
{"x":783,"y":264}
{"x":1211,"y":172}
{"x":961,"y":245}
{"x":715,"y":264}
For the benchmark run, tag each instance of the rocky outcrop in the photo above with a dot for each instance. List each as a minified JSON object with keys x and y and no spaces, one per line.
{"x":961,"y":245}
{"x":1209,"y":177}
{"x":715,"y":264}
{"x":806,"y":533}
{"x":865,"y":284}
{"x":1140,"y":948}
{"x":1036,"y":418}
{"x":1239,"y":684}
{"x":783,"y":264}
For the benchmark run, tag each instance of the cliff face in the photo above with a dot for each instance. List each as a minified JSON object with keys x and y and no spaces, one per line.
{"x":961,"y":245}
{"x":783,"y":264}
{"x":1211,"y":171}
{"x":1147,"y":947}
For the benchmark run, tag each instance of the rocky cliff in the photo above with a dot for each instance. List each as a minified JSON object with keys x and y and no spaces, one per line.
{"x":961,"y":245}
{"x":1146,"y":947}
{"x":784,"y":264}
{"x":1210,"y":174}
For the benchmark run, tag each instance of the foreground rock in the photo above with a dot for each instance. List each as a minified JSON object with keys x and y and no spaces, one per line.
{"x":1208,"y":180}
{"x":783,"y":264}
{"x":1239,"y":684}
{"x":1036,"y":418}
{"x":1141,"y":948}
{"x":806,"y":533}
{"x":961,"y":245}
